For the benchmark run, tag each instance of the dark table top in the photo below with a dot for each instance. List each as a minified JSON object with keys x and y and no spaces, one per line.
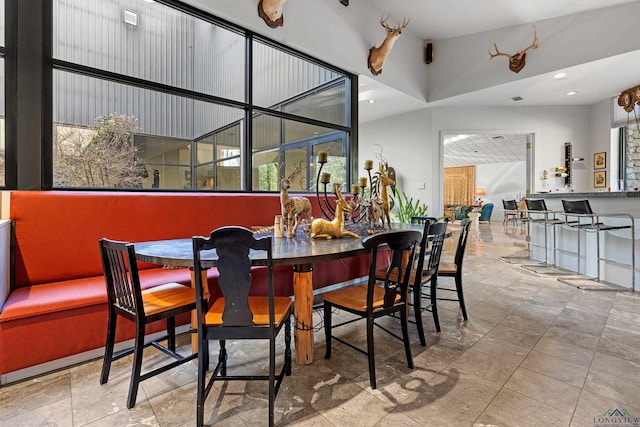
{"x":294,"y":251}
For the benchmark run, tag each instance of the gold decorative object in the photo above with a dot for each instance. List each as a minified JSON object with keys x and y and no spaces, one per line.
{"x":325,"y":229}
{"x":292,"y":207}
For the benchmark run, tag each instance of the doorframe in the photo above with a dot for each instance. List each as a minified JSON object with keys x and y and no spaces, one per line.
{"x":529,"y":156}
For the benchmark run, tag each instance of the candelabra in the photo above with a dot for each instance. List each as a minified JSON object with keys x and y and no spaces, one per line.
{"x":358,"y":201}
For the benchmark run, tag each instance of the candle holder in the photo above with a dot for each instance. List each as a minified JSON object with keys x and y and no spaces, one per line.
{"x":324,"y":179}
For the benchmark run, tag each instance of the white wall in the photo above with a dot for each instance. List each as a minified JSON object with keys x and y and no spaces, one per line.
{"x":407,"y":145}
{"x":411,"y":142}
{"x":501,"y":181}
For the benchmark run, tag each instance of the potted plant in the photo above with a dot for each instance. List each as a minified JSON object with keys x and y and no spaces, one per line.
{"x":408,"y":208}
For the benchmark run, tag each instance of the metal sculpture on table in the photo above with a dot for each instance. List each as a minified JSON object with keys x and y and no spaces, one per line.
{"x":292,"y":207}
{"x":368,"y":206}
{"x":385,"y":182}
{"x":324,"y":229}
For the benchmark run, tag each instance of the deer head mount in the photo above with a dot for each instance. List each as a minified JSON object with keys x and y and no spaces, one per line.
{"x":517,"y":60}
{"x":271,"y":12}
{"x":378,"y":55}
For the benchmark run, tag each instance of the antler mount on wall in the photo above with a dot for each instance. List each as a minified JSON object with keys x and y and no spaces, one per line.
{"x":517,"y":60}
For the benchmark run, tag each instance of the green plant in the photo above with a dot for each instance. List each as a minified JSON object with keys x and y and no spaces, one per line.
{"x":408,"y":208}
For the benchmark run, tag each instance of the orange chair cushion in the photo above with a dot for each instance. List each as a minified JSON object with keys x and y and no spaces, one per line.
{"x":355,"y":297}
{"x":259,"y":307}
{"x":166,"y":297}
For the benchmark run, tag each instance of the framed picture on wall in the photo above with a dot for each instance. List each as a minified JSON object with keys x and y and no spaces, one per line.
{"x":600,"y":179}
{"x":600,"y":160}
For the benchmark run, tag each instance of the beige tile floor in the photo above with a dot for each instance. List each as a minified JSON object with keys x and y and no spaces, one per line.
{"x":534,"y":352}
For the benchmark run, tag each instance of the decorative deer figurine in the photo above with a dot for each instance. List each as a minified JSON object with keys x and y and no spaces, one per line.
{"x":384,"y":194}
{"x":516,"y":61}
{"x":374,"y":210}
{"x":325,"y":229}
{"x":292,"y":207}
{"x":378,"y":55}
{"x":271,"y":12}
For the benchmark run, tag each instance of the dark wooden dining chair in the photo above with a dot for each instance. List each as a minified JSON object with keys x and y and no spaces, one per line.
{"x":126,"y":298}
{"x":375,"y":298}
{"x":237,"y":315}
{"x":454,"y":269}
{"x":430,"y":250}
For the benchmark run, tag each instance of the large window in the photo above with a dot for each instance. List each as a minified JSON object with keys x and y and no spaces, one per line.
{"x":151,"y":96}
{"x":2,"y":92}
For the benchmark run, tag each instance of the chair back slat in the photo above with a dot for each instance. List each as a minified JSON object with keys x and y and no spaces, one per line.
{"x":121,"y":276}
{"x":465,"y":226}
{"x":233,"y":246}
{"x":399,"y":265}
{"x":436,"y":235}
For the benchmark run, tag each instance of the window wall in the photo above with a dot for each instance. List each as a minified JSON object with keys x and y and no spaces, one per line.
{"x":2,"y":93}
{"x":152,"y":95}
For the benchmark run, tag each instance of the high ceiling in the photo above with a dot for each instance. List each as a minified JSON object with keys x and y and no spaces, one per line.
{"x":463,"y":150}
{"x":438,"y":20}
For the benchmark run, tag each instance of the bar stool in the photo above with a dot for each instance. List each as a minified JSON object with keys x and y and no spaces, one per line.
{"x":579,"y":216}
{"x":538,"y":213}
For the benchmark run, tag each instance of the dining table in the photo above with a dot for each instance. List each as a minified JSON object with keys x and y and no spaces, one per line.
{"x":299,"y":251}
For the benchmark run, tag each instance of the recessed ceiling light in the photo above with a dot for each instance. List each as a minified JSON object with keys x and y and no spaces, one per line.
{"x":371,"y":101}
{"x":560,"y":76}
{"x":573,"y":92}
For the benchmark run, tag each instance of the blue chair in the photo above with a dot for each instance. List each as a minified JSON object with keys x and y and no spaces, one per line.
{"x":485,"y":212}
{"x":462,"y":212}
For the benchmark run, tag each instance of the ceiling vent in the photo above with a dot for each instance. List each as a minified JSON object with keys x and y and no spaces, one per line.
{"x":517,"y":98}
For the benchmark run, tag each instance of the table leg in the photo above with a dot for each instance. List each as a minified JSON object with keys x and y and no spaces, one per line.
{"x":303,"y":313}
{"x":194,"y":314}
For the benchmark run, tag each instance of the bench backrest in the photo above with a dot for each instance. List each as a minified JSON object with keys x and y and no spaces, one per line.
{"x":57,"y":232}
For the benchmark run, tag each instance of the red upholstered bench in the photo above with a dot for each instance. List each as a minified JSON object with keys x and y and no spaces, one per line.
{"x":56,"y":306}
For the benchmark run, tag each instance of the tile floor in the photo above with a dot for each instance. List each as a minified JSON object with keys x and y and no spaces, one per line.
{"x":534,"y":352}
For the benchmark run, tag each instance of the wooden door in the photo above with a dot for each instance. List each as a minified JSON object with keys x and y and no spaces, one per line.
{"x":459,"y":185}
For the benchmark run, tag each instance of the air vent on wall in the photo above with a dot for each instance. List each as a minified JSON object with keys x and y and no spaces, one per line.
{"x":130,"y":18}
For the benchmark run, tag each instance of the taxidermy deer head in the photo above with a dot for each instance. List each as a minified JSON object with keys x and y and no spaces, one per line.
{"x":271,"y":12}
{"x":516,"y":61}
{"x":378,"y":55}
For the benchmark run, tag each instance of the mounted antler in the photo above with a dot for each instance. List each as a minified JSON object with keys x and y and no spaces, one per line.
{"x":517,"y":60}
{"x":271,"y":12}
{"x":378,"y":55}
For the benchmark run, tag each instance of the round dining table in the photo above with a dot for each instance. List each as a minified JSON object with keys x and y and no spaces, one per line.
{"x":300,"y":251}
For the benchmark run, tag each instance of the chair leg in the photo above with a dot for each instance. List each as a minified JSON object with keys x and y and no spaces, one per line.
{"x":417,"y":312}
{"x":287,"y":346}
{"x":108,"y":350}
{"x":458,"y":280}
{"x":327,"y":329}
{"x":405,"y":337}
{"x":371,"y":354}
{"x":272,"y":379}
{"x":137,"y":365}
{"x":203,"y":364}
{"x":434,"y":303}
{"x":171,"y":331}
{"x":222,"y":358}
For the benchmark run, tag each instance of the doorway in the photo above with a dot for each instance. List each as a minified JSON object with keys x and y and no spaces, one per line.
{"x":503,"y":163}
